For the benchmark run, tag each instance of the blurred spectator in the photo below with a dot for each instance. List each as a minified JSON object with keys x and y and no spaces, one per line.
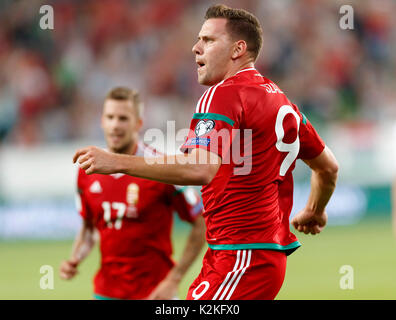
{"x":52,"y":82}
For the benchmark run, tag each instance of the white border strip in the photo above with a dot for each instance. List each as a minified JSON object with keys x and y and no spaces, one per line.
{"x":211,"y":96}
{"x":228,"y":275}
{"x":235,"y":275}
{"x":248,"y":69}
{"x":240,"y":275}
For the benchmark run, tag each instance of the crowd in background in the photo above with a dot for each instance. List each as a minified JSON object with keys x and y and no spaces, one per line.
{"x":52,"y":82}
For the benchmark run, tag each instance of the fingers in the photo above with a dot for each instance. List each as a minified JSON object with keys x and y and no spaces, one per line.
{"x":85,"y":159}
{"x":79,"y":153}
{"x":90,"y":169}
{"x":86,"y":165}
{"x":309,"y":228}
{"x":68,"y":270}
{"x":316,"y":229}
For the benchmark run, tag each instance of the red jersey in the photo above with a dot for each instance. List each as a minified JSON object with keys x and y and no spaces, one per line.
{"x":134,"y":220}
{"x":249,"y":122}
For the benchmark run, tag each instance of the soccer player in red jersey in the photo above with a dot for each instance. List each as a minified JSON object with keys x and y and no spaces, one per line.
{"x":244,"y":141}
{"x":133,"y":217}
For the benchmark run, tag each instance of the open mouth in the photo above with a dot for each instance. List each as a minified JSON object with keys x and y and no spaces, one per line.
{"x":200,"y":64}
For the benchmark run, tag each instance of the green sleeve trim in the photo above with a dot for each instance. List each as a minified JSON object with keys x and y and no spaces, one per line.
{"x":304,"y":118}
{"x":214,"y":116}
{"x":99,"y":297}
{"x":269,"y":246}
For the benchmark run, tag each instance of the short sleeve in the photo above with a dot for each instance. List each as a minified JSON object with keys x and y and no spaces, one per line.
{"x":187,"y":202}
{"x":311,"y":144}
{"x":218,"y":112}
{"x":81,"y":201}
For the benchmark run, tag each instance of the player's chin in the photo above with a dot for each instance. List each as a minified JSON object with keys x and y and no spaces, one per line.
{"x":201,"y":80}
{"x":115,"y":147}
{"x":204,"y":80}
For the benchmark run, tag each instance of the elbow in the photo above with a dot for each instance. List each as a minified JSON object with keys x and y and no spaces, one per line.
{"x":209,"y":172}
{"x":330,"y":173}
{"x":205,"y":180}
{"x":333,"y":169}
{"x":202,"y":175}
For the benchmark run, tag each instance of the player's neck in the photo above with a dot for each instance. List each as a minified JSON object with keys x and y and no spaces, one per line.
{"x":238,"y":67}
{"x":129,"y":149}
{"x":132,"y":148}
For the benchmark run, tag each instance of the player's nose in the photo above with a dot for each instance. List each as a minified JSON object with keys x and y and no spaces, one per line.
{"x":196,"y":49}
{"x":115,"y":124}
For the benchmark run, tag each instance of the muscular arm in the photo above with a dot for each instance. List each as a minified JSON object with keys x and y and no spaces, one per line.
{"x":313,"y":217}
{"x":196,"y":168}
{"x":323,"y":180}
{"x":82,"y":246}
{"x":168,"y":288}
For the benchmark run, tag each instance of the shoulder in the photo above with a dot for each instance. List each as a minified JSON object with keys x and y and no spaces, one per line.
{"x":82,"y":180}
{"x":81,"y":175}
{"x":223,"y":95}
{"x":270,"y":86}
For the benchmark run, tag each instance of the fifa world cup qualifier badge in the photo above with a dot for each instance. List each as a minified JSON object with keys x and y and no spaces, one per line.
{"x":132,"y":197}
{"x":203,"y":127}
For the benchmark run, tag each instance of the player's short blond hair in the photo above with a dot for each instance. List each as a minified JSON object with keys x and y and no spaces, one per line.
{"x":241,"y":25}
{"x":126,"y":94}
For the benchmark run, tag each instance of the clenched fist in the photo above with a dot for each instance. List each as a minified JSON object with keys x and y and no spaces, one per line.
{"x":68,"y":269}
{"x":308,"y":222}
{"x":95,"y":160}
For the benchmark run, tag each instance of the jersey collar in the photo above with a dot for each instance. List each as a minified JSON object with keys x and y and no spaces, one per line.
{"x":246,"y":69}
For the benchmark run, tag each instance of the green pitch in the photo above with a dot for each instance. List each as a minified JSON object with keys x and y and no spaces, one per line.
{"x":313,"y":271}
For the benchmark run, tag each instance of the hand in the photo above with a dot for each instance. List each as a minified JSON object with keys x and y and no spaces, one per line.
{"x":95,"y":160}
{"x":165,"y":290}
{"x":309,"y":222}
{"x":68,"y":269}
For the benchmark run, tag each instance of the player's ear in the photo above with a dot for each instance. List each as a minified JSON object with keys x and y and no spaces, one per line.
{"x":240,"y":48}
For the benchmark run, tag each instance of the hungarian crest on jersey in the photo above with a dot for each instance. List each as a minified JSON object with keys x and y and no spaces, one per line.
{"x":132,"y":199}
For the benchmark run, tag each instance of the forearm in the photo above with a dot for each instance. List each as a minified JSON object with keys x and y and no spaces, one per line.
{"x":195,"y":168}
{"x":193,"y":247}
{"x":322,"y":187}
{"x":83,"y":244}
{"x":177,"y":169}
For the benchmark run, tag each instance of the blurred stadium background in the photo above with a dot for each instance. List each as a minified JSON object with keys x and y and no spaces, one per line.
{"x":52,"y":84}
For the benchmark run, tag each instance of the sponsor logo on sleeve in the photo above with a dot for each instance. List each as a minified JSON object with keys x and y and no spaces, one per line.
{"x":197,"y":142}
